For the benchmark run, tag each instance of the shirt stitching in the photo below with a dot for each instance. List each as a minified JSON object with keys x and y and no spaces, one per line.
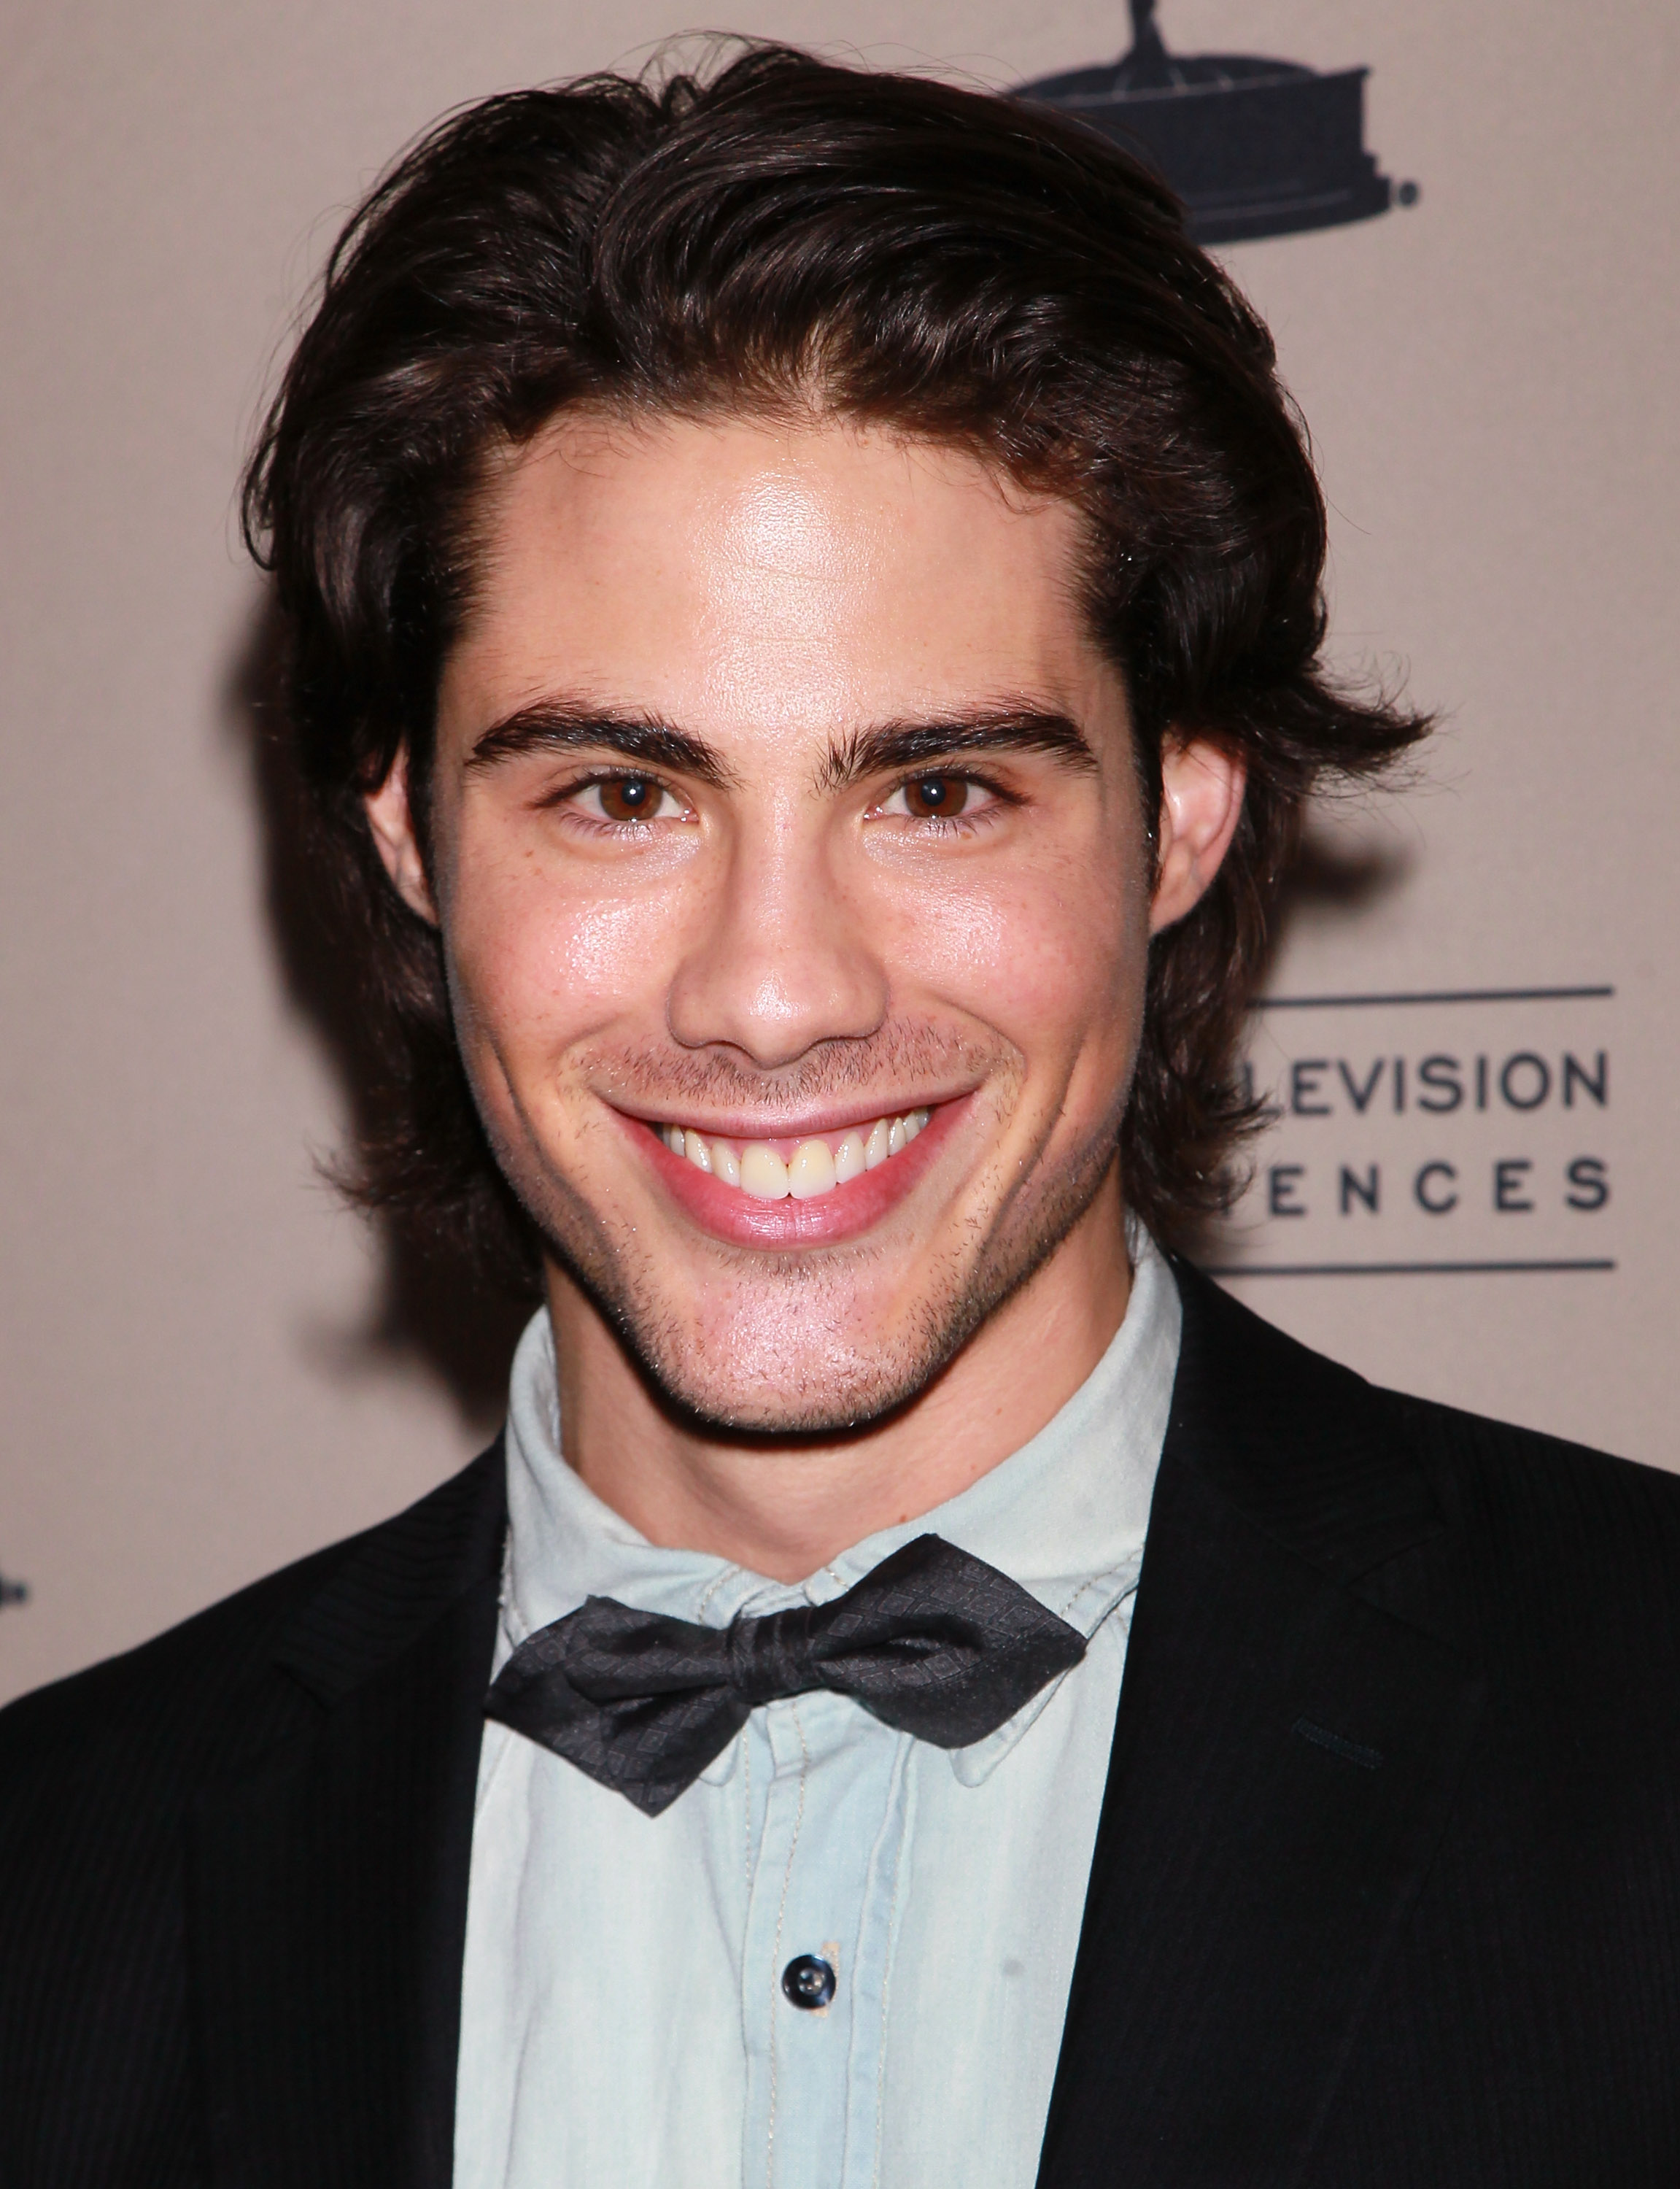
{"x":493,"y":1754}
{"x":713,"y":1586}
{"x":1095,"y":1580}
{"x":776,"y":1951}
{"x":887,"y":1977}
{"x":515,"y":1627}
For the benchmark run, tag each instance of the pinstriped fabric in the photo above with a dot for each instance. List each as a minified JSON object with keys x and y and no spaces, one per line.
{"x":95,"y":2073}
{"x":233,"y":1866}
{"x":1550,"y":1924}
{"x":102,"y":2070}
{"x":327,"y":1906}
{"x":1461,"y":1967}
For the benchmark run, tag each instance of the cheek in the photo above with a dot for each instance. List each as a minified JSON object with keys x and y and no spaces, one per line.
{"x":535,"y":965}
{"x":1052,"y":959}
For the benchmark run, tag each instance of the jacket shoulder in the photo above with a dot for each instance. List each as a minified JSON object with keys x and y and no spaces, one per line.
{"x":1286,"y":1395}
{"x":1567,"y":1541}
{"x":1348,"y":1471}
{"x":1502,"y":1458}
{"x":166,"y":1702}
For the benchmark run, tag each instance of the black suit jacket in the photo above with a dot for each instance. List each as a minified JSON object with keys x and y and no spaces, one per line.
{"x":1386,"y":1888}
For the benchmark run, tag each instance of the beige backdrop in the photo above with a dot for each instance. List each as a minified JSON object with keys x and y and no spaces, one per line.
{"x":198,"y":1376}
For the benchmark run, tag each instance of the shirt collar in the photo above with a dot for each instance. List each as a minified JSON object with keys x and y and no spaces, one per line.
{"x":1065,"y":1516}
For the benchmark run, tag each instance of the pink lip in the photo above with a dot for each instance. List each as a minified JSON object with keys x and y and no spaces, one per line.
{"x":848,"y":1211}
{"x":787,"y":1131}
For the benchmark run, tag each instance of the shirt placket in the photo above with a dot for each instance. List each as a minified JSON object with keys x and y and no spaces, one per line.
{"x":828,"y":1795}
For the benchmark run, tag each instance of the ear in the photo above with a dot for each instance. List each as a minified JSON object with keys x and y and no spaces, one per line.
{"x":1201,"y":804}
{"x":393,"y":832}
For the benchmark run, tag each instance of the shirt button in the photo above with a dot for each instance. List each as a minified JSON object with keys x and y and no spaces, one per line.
{"x":807,"y":1981}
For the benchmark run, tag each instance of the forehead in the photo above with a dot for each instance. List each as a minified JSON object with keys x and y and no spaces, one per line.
{"x":737,"y":572}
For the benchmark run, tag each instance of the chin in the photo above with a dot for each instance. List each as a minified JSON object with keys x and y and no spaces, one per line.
{"x":799,"y":1373}
{"x":818,"y":1353}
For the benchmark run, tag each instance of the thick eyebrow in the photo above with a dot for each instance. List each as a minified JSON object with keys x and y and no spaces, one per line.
{"x":570,"y":726}
{"x":893,"y":748}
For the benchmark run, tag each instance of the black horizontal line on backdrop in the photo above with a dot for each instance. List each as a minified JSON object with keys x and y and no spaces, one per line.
{"x":1430,"y":996}
{"x":1389,"y":1268}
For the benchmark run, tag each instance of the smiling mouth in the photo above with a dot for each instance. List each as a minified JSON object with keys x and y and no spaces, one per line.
{"x":796,"y":1169}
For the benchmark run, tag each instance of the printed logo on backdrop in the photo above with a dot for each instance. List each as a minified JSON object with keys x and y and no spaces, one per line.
{"x":1253,"y":147}
{"x":1425,"y":1133}
{"x":1434,"y":1131}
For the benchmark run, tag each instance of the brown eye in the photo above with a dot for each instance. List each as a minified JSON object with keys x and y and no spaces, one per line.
{"x":937,"y":797}
{"x":629,"y":797}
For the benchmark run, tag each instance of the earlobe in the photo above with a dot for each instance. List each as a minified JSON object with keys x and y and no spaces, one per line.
{"x":393,"y":832}
{"x":1201,"y":787}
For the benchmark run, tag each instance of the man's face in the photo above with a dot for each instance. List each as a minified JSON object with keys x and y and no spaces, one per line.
{"x":785,"y":813}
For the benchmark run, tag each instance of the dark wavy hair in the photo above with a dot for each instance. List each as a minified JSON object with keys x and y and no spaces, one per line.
{"x":962,"y":266}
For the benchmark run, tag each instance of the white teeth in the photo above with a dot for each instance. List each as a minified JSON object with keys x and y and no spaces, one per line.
{"x":815,"y":1168}
{"x":762,"y":1173}
{"x":812,"y":1171}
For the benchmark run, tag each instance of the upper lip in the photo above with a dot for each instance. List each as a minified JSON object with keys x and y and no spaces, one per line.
{"x":780,"y":1125}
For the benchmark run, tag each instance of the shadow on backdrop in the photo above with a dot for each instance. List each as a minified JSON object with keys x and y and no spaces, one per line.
{"x":1339,"y":874}
{"x":433,"y":1305}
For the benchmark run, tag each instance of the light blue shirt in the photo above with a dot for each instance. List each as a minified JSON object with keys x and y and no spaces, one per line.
{"x":624,"y":2023}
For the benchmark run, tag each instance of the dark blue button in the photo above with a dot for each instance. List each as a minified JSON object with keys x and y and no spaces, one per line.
{"x":807,"y":1981}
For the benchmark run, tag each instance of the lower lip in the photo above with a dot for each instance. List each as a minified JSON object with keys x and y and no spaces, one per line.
{"x":846,"y":1212}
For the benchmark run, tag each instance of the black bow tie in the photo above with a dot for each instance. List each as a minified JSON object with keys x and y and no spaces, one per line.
{"x":932,"y":1641}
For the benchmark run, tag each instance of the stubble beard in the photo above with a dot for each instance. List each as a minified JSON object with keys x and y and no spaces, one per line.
{"x":807,"y":1378}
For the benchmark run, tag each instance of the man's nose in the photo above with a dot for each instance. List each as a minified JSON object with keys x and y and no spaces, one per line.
{"x":779,"y":961}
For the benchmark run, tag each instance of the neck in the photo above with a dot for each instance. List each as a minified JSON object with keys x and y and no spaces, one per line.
{"x":785,"y":1508}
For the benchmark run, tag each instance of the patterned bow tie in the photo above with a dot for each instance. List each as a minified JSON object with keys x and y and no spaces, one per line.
{"x":932,"y":1641}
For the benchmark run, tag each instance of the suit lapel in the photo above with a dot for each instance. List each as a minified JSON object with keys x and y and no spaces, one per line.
{"x":328,"y":1877}
{"x":1285,"y":1756}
